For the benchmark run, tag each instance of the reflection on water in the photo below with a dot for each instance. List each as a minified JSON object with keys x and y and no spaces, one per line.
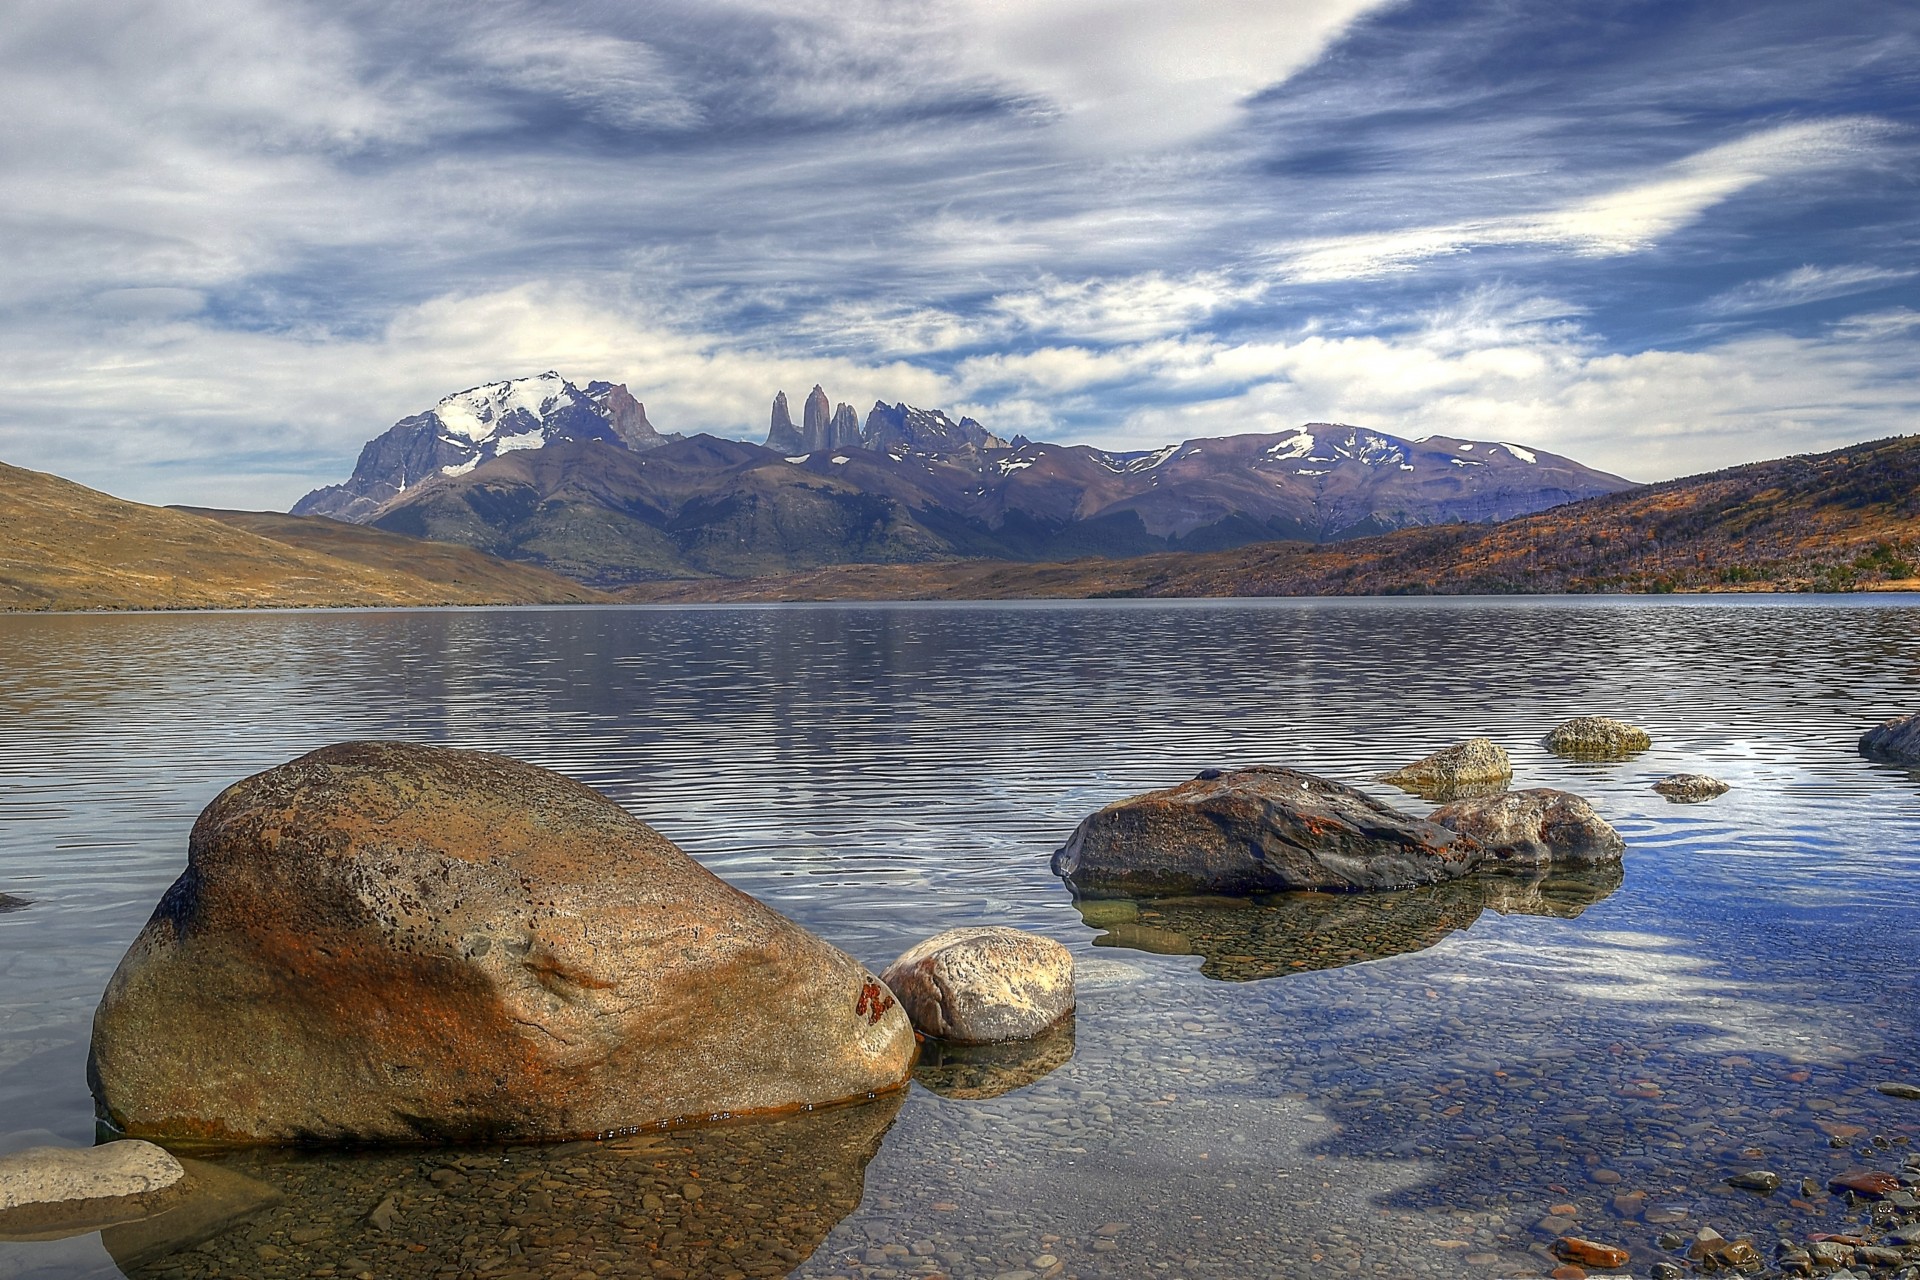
{"x":1246,"y":939}
{"x":752,"y":1199}
{"x":883,"y":773}
{"x":989,"y":1070}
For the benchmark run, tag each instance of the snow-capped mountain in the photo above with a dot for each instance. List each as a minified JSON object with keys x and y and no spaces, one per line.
{"x":476,"y":426}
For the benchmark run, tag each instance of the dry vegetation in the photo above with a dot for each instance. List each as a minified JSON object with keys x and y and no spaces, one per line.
{"x":69,"y":547}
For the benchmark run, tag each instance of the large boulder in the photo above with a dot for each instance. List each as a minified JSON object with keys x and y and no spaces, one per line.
{"x":1597,"y":738}
{"x":1896,"y":740}
{"x":1256,"y":830}
{"x":1477,"y":766}
{"x":1534,"y":828}
{"x":52,"y":1191}
{"x":388,"y":942}
{"x":983,"y":984}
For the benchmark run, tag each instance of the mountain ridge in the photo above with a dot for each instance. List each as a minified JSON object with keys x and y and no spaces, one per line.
{"x":907,"y":485}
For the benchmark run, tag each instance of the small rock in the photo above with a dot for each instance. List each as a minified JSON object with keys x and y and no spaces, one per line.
{"x":1896,"y":740}
{"x":1869,"y":1184}
{"x":10,"y":903}
{"x":45,"y":1190}
{"x":1466,"y":768}
{"x":1667,"y":1271}
{"x":1830,"y":1253}
{"x":1873,"y":1255}
{"x":1900,"y":1089}
{"x":984,"y":984}
{"x":1761,"y":1180}
{"x":1534,"y":828}
{"x":1597,"y":738}
{"x":1690,"y":788}
{"x":1589,"y":1253}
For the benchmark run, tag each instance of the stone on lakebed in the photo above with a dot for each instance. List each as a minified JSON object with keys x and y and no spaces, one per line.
{"x":55,"y":1191}
{"x":1690,"y":788}
{"x":1262,"y":829}
{"x":1597,"y":738}
{"x":1534,"y":828}
{"x":384,"y":942}
{"x":984,"y":983}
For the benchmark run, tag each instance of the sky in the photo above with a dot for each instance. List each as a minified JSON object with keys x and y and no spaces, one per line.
{"x":242,"y":237}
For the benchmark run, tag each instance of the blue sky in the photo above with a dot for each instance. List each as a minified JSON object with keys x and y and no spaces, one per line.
{"x":244,"y":236}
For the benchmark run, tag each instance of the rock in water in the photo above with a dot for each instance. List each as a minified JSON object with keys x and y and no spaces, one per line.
{"x":1896,"y":740}
{"x":984,"y":984}
{"x":1690,"y":788}
{"x":1534,"y":828}
{"x":10,"y":903}
{"x":1597,"y":738}
{"x":1476,"y":765}
{"x":389,"y":942}
{"x":55,"y":1190}
{"x":1257,"y":830}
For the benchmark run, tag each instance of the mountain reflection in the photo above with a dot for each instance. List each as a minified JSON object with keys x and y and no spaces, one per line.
{"x":754,"y":1198}
{"x":1246,"y":939}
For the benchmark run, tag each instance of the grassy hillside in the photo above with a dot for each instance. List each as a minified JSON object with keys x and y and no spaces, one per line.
{"x":69,"y":547}
{"x":1840,"y":521}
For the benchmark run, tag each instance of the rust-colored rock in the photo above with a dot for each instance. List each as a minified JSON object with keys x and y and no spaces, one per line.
{"x":1534,"y":828}
{"x":384,"y":942}
{"x":1257,"y":830}
{"x":1872,"y":1184}
{"x":1589,"y":1253}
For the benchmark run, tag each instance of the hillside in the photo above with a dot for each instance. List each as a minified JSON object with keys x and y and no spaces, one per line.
{"x":1839,"y":521}
{"x":71,"y":547}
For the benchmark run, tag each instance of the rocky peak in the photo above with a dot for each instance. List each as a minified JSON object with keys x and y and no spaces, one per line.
{"x":844,"y":431}
{"x":903,"y":427}
{"x":627,"y":416}
{"x":782,"y":435}
{"x":815,"y":416}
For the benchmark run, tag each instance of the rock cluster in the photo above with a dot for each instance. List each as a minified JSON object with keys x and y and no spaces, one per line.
{"x":1597,"y":738}
{"x":1896,"y":740}
{"x":984,"y":984}
{"x":390,"y":942}
{"x":1458,"y":770}
{"x":824,"y":427}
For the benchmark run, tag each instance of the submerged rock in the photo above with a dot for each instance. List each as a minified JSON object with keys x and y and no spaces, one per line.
{"x":57,"y":1191}
{"x":1597,"y":738}
{"x":1690,"y":788}
{"x":1896,"y":740}
{"x":1534,"y":828}
{"x":1477,"y":766}
{"x":389,"y":942}
{"x":1257,"y":830}
{"x":983,"y":984}
{"x":10,"y":903}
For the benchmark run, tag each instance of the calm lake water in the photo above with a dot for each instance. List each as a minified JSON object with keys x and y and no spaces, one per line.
{"x":1399,"y":1086}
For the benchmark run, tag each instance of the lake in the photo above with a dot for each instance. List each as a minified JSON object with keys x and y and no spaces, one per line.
{"x":1431,"y":1083}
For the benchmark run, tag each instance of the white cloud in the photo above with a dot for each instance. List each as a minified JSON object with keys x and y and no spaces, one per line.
{"x":1800,"y":286}
{"x":1623,"y":220}
{"x":621,"y":82}
{"x":1127,"y":308}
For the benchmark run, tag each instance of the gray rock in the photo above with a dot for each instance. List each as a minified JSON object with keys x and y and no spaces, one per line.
{"x":10,"y":903}
{"x":1476,"y":766}
{"x":1896,"y":740}
{"x":983,"y":984}
{"x":1597,"y":738}
{"x":1900,"y":1089}
{"x":63,"y":1190}
{"x":1257,"y":830}
{"x":1690,"y":788}
{"x":1761,"y":1180}
{"x":1536,"y":827}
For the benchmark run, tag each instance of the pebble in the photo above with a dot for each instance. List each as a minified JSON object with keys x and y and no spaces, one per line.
{"x":1761,"y":1180}
{"x":1900,"y":1089}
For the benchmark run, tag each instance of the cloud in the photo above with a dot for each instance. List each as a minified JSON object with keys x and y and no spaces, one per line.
{"x":1126,"y":308}
{"x":1801,"y":286}
{"x":620,"y":82}
{"x":1623,"y":220}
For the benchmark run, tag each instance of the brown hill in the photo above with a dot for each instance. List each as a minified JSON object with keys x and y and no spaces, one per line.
{"x":1839,"y":521}
{"x":70,"y":547}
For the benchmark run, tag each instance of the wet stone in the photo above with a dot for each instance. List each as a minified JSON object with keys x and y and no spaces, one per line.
{"x":1760,"y":1180}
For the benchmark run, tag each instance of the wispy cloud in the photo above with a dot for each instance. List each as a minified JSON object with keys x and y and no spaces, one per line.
{"x":1801,"y":286}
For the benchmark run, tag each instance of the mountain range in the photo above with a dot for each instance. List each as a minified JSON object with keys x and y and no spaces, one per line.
{"x":1844,"y":520}
{"x":578,"y":481}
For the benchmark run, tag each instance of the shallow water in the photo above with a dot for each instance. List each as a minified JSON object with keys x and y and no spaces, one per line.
{"x":1283,"y":1088}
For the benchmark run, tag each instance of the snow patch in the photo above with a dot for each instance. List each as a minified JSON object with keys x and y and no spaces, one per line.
{"x":802,"y":458}
{"x":459,"y":468}
{"x":1307,"y":471}
{"x":1525,"y":455}
{"x":525,"y":440}
{"x":475,"y":415}
{"x":841,"y":460}
{"x":1007,"y":466}
{"x":1466,"y":448}
{"x":1297,"y":445}
{"x":1467,"y":462}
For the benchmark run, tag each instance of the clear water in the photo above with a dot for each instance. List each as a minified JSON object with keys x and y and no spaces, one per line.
{"x":1401,"y":1087}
